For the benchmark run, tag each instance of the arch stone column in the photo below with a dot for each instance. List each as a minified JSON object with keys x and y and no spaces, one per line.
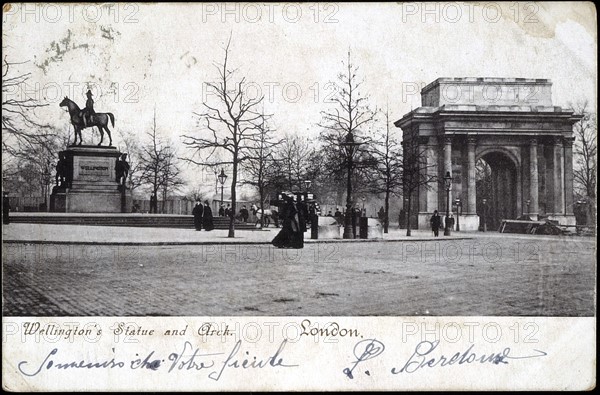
{"x":559,"y":187}
{"x":533,"y":179}
{"x":471,"y":176}
{"x":447,"y":167}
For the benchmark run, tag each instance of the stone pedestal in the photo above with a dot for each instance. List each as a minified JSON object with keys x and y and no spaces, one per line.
{"x":90,"y":184}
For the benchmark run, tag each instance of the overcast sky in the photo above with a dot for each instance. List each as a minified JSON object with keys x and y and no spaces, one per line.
{"x":138,"y":57}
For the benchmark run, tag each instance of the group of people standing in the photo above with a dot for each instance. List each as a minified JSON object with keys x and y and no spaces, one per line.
{"x":293,"y":216}
{"x":437,"y":223}
{"x":203,"y":217}
{"x":227,"y":212}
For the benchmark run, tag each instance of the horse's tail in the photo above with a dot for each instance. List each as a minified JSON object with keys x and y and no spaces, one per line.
{"x":112,"y":118}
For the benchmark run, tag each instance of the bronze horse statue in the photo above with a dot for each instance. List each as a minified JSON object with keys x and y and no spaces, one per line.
{"x":98,"y":119}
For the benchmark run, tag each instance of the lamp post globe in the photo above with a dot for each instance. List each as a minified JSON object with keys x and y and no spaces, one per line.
{"x":448,"y":186}
{"x":222,"y":178}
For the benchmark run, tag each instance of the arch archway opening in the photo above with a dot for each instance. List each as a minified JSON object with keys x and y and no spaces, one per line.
{"x":496,"y":186}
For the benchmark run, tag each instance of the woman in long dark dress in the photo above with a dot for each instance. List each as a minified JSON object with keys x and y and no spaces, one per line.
{"x":290,"y":235}
{"x":207,"y":218}
{"x":197,"y":212}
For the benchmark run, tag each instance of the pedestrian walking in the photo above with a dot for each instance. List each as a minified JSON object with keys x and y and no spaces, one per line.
{"x":5,"y":209}
{"x":221,"y":211}
{"x":290,"y":235}
{"x":197,"y":212}
{"x":436,"y":223}
{"x":207,"y":217}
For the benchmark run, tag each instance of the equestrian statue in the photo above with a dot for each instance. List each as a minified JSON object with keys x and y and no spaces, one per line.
{"x":88,"y":118}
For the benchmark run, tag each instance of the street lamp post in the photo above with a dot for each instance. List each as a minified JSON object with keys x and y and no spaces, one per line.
{"x":484,"y":213}
{"x":448,"y":185}
{"x":216,"y":180}
{"x":46,"y":181}
{"x":350,"y":147}
{"x":458,"y":213}
{"x":222,"y":178}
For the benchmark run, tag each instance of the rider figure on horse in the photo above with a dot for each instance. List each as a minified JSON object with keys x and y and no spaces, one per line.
{"x":89,"y":109}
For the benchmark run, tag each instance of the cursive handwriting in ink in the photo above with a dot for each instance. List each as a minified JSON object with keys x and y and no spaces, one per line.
{"x":187,"y":361}
{"x":231,"y":362}
{"x":49,"y":363}
{"x":421,"y":358}
{"x":364,"y":350}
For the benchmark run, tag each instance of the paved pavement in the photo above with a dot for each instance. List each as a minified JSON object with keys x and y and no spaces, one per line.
{"x":168,"y":236}
{"x":488,"y":274}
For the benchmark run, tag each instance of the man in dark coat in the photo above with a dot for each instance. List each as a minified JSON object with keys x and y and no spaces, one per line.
{"x":244,"y":213}
{"x":197,"y":212}
{"x":5,"y":209}
{"x":221,"y":211}
{"x":207,"y":217}
{"x":89,"y":109}
{"x":436,"y":223}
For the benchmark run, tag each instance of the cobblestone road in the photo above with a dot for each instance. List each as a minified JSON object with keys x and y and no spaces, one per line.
{"x":484,"y":276}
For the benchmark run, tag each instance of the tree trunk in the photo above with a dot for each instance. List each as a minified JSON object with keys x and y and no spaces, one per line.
{"x":386,"y":220}
{"x":261,"y":192}
{"x":233,"y":198}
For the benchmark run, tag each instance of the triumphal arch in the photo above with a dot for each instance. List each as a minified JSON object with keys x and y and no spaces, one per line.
{"x":508,"y":148}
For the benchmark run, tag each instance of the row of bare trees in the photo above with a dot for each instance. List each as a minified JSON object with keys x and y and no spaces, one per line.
{"x":233,"y":131}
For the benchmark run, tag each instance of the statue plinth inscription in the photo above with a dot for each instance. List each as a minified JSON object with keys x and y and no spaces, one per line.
{"x":87,"y":182}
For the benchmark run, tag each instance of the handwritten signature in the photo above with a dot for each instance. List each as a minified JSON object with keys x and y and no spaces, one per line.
{"x":422,"y":356}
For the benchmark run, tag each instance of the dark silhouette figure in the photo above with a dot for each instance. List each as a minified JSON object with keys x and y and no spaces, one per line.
{"x":436,"y":223}
{"x":207,"y":218}
{"x":122,"y":170}
{"x":5,"y":209}
{"x":153,"y":206}
{"x":198,"y":212}
{"x":221,"y":211}
{"x":61,"y":170}
{"x":244,"y":214}
{"x":89,"y":109}
{"x":290,"y":235}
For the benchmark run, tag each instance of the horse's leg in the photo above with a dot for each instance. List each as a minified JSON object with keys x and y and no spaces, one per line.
{"x":101,"y":134}
{"x":78,"y":133}
{"x":109,"y":136}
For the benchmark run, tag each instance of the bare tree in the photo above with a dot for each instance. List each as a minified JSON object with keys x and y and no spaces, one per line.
{"x":134,"y":152}
{"x":260,"y":168}
{"x":586,"y":161}
{"x":158,"y":166}
{"x":386,"y":152}
{"x":415,"y":174}
{"x":229,"y":127}
{"x":350,"y":116}
{"x":585,"y":150}
{"x":20,"y":127}
{"x":293,"y":161}
{"x":171,"y":179}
